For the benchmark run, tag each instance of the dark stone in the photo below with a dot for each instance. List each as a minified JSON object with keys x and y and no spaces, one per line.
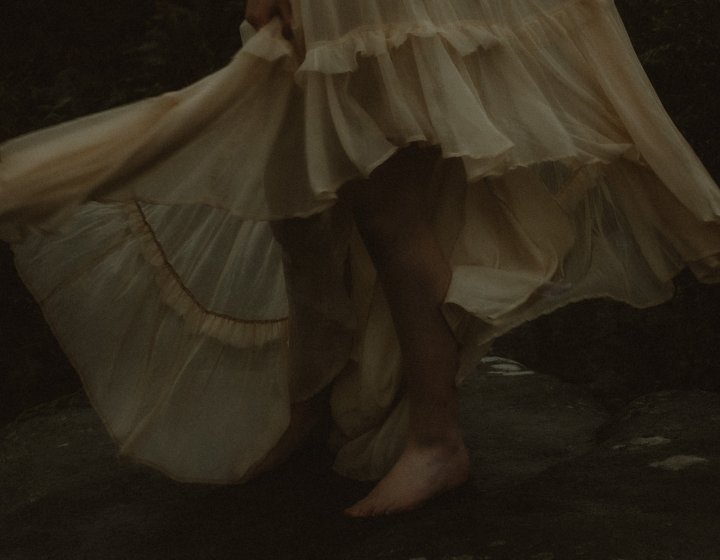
{"x":546,"y":487}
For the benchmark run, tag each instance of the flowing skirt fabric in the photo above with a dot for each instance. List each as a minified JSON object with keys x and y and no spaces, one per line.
{"x":144,"y":231}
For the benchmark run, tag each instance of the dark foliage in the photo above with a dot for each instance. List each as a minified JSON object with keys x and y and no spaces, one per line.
{"x":677,"y":41}
{"x":64,"y":59}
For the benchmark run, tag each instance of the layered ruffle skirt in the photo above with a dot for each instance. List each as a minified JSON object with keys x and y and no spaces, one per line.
{"x":144,"y":232}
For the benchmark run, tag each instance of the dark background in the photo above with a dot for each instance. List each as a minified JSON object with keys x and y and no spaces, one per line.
{"x":63,"y":59}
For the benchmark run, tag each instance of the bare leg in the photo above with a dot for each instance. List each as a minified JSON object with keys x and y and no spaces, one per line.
{"x":321,"y":321}
{"x":390,"y":213}
{"x":304,"y":417}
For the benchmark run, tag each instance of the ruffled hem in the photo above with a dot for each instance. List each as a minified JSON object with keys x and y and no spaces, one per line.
{"x":497,"y":97}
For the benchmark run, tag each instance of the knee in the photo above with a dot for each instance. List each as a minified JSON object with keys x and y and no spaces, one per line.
{"x":375,"y":223}
{"x":294,"y":233}
{"x":323,"y":236}
{"x":385,"y":232}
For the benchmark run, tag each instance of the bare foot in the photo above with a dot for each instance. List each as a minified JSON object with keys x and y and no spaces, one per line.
{"x":420,"y":473}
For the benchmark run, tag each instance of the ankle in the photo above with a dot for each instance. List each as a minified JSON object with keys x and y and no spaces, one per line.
{"x":448,"y":440}
{"x":441,"y":429}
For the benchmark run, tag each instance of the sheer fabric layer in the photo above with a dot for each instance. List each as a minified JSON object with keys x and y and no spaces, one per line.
{"x":559,"y":177}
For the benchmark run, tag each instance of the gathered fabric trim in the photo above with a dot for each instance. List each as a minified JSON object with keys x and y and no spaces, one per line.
{"x":465,"y":37}
{"x":241,"y":333}
{"x":340,"y":56}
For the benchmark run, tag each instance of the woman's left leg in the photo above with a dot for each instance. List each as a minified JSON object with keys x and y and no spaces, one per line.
{"x":321,"y":320}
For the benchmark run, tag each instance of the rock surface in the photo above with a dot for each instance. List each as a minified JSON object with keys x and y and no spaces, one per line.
{"x":554,"y":477}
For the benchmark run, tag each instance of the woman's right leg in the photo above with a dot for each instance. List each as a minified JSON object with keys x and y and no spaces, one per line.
{"x":391,"y":215}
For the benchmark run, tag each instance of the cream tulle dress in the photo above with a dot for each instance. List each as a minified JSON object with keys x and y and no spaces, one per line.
{"x":560,"y":177}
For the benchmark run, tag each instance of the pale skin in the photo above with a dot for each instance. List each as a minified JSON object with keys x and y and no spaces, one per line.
{"x":391,"y":216}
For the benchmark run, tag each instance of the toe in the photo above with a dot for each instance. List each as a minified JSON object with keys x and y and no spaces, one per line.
{"x":369,"y":506}
{"x":358,"y":510}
